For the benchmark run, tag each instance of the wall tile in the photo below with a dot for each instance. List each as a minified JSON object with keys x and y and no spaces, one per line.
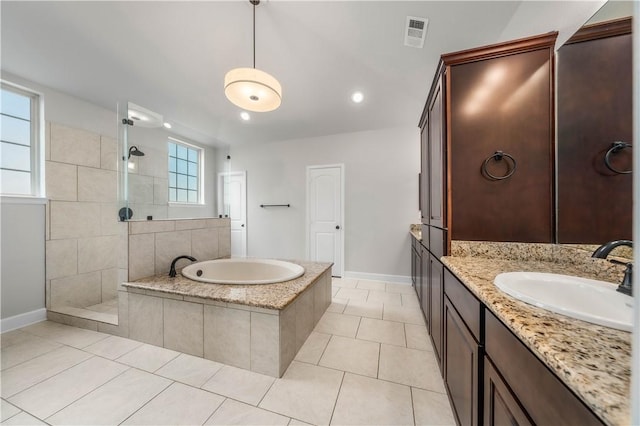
{"x":140,"y":189}
{"x":288,"y":348}
{"x":148,"y":226}
{"x":183,"y":327}
{"x":109,"y":220}
{"x":122,"y":329}
{"x":98,"y":253}
{"x":145,"y":319}
{"x":47,"y":141}
{"x":47,"y":294}
{"x":141,"y":256}
{"x":61,"y":258}
{"x":304,"y":317}
{"x":227,"y":336}
{"x":72,"y":321}
{"x":123,"y":250}
{"x":155,"y":161}
{"x":47,"y":221}
{"x":224,"y":242}
{"x":74,"y":146}
{"x":110,"y":280}
{"x":319,"y":299}
{"x":170,"y":245}
{"x":97,"y":185}
{"x":108,"y":153}
{"x":219,"y":223}
{"x":204,"y":244}
{"x":62,"y":181}
{"x":191,"y":224}
{"x":74,"y":220}
{"x":77,"y":290}
{"x":265,"y":344}
{"x":160,"y":191}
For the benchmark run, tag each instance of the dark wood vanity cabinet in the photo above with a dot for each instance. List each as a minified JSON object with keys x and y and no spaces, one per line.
{"x":436,"y":306}
{"x":595,"y":204}
{"x":500,"y":406}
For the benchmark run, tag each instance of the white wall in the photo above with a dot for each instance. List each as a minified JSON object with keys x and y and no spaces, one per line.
{"x":381,"y":190}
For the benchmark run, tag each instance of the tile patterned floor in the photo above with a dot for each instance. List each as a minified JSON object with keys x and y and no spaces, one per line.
{"x":368,"y":361}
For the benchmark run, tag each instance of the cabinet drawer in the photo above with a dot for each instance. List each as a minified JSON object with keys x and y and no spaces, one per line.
{"x":551,"y":402}
{"x":465,"y":303}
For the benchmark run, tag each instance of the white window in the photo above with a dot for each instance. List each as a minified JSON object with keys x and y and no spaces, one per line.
{"x":184,"y":172}
{"x":19,"y":142}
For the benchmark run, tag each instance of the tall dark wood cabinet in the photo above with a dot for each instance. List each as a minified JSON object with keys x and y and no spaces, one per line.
{"x":594,"y":112}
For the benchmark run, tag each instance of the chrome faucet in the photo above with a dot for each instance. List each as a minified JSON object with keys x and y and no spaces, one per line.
{"x":603,"y":251}
{"x":172,"y":270}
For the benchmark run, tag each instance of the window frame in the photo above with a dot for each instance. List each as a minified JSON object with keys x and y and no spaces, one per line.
{"x":200,"y":177}
{"x":36,"y":160}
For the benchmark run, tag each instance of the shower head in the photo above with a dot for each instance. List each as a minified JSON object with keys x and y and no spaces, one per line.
{"x":135,"y":151}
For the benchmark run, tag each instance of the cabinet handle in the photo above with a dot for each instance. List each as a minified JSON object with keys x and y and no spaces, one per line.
{"x":498,"y":156}
{"x":615,"y":148}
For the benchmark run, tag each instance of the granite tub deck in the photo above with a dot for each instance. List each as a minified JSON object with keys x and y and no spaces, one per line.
{"x":254,"y":327}
{"x":592,"y":360}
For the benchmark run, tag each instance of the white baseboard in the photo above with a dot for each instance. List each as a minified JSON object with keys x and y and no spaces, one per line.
{"x":397,"y":279}
{"x":21,"y":320}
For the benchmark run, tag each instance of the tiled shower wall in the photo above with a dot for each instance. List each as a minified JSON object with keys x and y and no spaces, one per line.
{"x":85,"y":242}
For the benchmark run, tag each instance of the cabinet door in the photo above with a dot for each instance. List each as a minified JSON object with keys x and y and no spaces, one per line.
{"x":424,"y":174}
{"x":436,"y":290}
{"x":461,"y":367}
{"x":502,"y":104}
{"x":500,"y":406}
{"x":425,"y":302}
{"x":414,"y":258}
{"x":437,"y":177}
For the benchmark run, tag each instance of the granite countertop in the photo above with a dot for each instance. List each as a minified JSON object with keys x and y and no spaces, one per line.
{"x":416,"y":231}
{"x":269,"y":296}
{"x":592,"y":360}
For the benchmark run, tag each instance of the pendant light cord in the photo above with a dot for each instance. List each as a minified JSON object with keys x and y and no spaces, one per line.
{"x":254,"y":35}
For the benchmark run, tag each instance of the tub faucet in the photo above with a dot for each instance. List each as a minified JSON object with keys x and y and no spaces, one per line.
{"x":603,"y":251}
{"x":172,"y":270}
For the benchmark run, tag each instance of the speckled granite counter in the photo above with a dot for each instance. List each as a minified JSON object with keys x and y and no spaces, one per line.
{"x":416,"y":231}
{"x":269,"y":296}
{"x":593,"y":361}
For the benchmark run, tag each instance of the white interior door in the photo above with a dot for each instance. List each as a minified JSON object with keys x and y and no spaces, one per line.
{"x":325,"y":210}
{"x":232,"y":201}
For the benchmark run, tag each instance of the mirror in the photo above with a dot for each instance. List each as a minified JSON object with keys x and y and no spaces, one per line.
{"x":594,"y":113}
{"x":164,"y":175}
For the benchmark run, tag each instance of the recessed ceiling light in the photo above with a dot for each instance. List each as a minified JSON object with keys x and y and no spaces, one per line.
{"x":245,"y":115}
{"x":167,"y":125}
{"x":357,"y":97}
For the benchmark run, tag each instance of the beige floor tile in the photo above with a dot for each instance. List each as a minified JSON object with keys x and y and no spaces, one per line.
{"x":410,"y":300}
{"x":236,"y":383}
{"x":12,"y":337}
{"x":341,"y":325}
{"x":352,"y":294}
{"x":177,"y":405}
{"x":355,"y":356}
{"x":113,"y":402}
{"x":34,"y":371}
{"x":305,"y":392}
{"x":313,"y":348}
{"x":113,"y":347}
{"x":148,"y":357}
{"x":431,"y":408}
{"x":381,"y":331}
{"x":337,"y":305}
{"x":335,"y":291}
{"x":55,"y":393}
{"x":189,"y":369}
{"x":384,"y":297}
{"x":364,"y":309}
{"x":344,"y":282}
{"x":418,"y":337}
{"x":295,"y":422}
{"x":236,"y":413}
{"x":365,"y":401}
{"x":67,"y":335}
{"x":400,"y":288}
{"x":7,"y":410}
{"x":29,"y":349}
{"x":371,"y":285}
{"x":403,"y":314}
{"x":410,"y":367}
{"x":23,"y":418}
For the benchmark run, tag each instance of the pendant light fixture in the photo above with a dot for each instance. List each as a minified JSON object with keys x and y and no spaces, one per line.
{"x":251,"y":88}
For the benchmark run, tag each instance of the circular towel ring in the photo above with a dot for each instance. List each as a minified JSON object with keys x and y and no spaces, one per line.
{"x":498,"y":156}
{"x":615,"y":148}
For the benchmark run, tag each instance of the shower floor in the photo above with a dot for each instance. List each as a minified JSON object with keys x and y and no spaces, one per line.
{"x":104,"y":312}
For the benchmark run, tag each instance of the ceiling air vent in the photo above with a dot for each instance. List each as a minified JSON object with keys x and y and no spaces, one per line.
{"x":415,"y":31}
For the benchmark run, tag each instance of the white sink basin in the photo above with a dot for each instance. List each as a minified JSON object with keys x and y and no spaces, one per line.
{"x":594,"y":301}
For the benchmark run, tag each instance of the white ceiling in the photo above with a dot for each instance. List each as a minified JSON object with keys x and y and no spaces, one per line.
{"x":171,"y":57}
